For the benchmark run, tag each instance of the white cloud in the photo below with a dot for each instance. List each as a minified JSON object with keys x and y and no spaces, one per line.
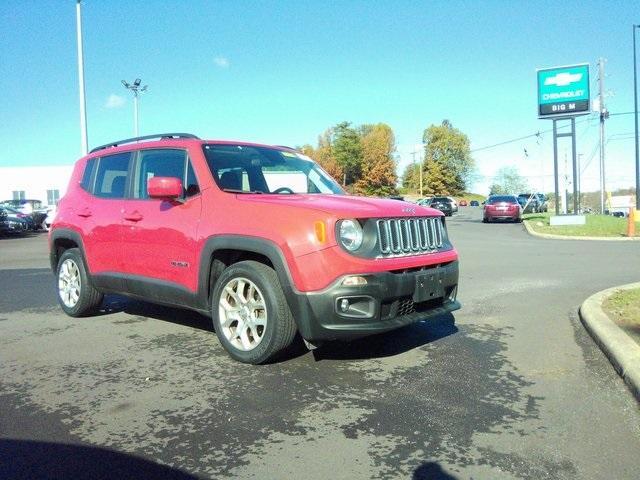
{"x":222,"y":62}
{"x":114,"y":101}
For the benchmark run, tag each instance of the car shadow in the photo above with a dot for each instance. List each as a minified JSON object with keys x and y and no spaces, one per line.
{"x":31,"y":459}
{"x":381,"y":345}
{"x":138,"y":308}
{"x":431,"y":471}
{"x":16,"y":236}
{"x":390,"y":343}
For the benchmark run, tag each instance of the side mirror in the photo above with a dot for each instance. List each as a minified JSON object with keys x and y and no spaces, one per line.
{"x":165,"y":188}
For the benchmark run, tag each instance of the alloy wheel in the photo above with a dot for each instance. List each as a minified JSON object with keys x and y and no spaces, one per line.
{"x":243,"y":314}
{"x":69,"y":283}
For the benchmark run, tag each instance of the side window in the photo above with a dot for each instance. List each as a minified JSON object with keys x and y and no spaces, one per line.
{"x":87,"y":176}
{"x":111,"y":176}
{"x":164,"y":163}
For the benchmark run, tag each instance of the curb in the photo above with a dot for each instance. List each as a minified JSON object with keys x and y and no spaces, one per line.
{"x":621,"y":350}
{"x":532,"y":232}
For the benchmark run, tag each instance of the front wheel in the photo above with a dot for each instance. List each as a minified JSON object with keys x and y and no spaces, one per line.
{"x":76,"y":294}
{"x":250,"y":313}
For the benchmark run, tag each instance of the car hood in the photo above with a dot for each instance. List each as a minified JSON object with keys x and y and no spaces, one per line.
{"x":344,"y":206}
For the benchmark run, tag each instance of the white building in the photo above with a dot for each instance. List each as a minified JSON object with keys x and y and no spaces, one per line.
{"x":47,"y":184}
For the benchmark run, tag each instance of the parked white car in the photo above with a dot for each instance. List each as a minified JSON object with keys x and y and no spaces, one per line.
{"x":48,"y":220}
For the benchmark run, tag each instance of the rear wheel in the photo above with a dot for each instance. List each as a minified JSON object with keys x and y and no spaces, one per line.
{"x":250,"y":313}
{"x":76,"y":294}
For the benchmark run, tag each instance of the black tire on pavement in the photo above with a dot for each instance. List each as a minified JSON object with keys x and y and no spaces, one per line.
{"x":89,"y":299}
{"x":280,"y":329}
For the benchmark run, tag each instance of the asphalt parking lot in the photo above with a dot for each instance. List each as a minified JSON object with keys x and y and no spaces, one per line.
{"x":511,"y":386}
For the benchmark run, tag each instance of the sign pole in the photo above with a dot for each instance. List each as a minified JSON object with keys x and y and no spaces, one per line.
{"x":555,"y":165}
{"x":563,"y":93}
{"x":575,"y":166}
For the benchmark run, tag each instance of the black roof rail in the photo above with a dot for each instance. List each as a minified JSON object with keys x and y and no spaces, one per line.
{"x":146,"y":137}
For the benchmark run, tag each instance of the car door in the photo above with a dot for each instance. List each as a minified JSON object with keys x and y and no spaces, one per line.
{"x":159,"y":236}
{"x":98,"y":213}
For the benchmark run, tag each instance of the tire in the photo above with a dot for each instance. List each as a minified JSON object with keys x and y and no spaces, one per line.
{"x":259,"y":286}
{"x":76,"y":294}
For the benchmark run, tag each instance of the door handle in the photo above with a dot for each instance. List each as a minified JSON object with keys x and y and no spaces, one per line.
{"x":134,"y":216}
{"x":85,"y":212}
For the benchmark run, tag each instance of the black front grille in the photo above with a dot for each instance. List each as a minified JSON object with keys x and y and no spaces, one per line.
{"x":409,"y":236}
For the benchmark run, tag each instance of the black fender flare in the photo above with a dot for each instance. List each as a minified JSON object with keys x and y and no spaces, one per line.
{"x":257,"y":245}
{"x":65,"y":234}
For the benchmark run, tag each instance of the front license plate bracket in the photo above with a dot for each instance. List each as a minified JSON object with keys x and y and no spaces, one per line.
{"x":428,"y":287}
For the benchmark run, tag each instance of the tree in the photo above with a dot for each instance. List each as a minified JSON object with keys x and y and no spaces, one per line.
{"x":438,"y":180}
{"x":448,"y":147}
{"x":378,"y":167}
{"x":411,"y":176}
{"x":508,"y":181}
{"x":323,"y":155}
{"x":347,"y":151}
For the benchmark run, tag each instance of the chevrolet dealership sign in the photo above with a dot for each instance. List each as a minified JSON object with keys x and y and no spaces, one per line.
{"x":563,"y":91}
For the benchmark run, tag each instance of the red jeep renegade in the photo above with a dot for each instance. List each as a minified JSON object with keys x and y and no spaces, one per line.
{"x":257,"y":237}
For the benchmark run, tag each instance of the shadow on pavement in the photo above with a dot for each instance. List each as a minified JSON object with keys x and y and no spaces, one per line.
{"x":35,"y":460}
{"x":390,"y":343}
{"x":189,"y":318}
{"x":431,"y":471}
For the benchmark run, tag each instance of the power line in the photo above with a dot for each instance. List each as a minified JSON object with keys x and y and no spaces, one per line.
{"x":540,"y":132}
{"x":537,"y":134}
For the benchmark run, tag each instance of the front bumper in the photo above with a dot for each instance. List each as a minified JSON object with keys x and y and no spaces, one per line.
{"x":388,"y":301}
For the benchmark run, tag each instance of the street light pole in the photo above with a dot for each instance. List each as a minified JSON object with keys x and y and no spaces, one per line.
{"x":83,"y":103}
{"x":136,"y":89}
{"x":635,"y":102}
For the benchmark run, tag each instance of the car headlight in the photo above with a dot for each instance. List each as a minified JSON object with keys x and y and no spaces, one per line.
{"x":350,"y":234}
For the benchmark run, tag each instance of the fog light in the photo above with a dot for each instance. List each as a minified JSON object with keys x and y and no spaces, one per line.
{"x":354,"y":281}
{"x":344,"y":305}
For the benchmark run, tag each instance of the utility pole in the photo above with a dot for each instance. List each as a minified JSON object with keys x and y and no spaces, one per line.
{"x":635,"y":110}
{"x":603,"y":116}
{"x":136,"y":89}
{"x":83,"y":103}
{"x":413,"y":154}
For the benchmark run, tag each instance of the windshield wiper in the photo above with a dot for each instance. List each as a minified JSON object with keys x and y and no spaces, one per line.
{"x":233,"y":190}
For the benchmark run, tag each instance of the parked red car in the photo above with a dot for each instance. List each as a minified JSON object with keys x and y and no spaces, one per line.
{"x":502,"y":207}
{"x":257,"y":237}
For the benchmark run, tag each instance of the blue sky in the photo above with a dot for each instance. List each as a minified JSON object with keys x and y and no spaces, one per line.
{"x":282,"y":72}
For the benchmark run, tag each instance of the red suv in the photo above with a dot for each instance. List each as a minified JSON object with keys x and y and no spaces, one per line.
{"x":257,"y":237}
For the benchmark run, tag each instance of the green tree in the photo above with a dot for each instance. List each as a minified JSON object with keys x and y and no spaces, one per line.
{"x":347,"y":151}
{"x":411,"y":177}
{"x":449,"y":148}
{"x":437,"y":179}
{"x":508,"y":181}
{"x":378,"y":167}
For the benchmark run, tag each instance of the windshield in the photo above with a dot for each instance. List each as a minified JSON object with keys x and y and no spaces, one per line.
{"x":253,"y":169}
{"x":502,"y":199}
